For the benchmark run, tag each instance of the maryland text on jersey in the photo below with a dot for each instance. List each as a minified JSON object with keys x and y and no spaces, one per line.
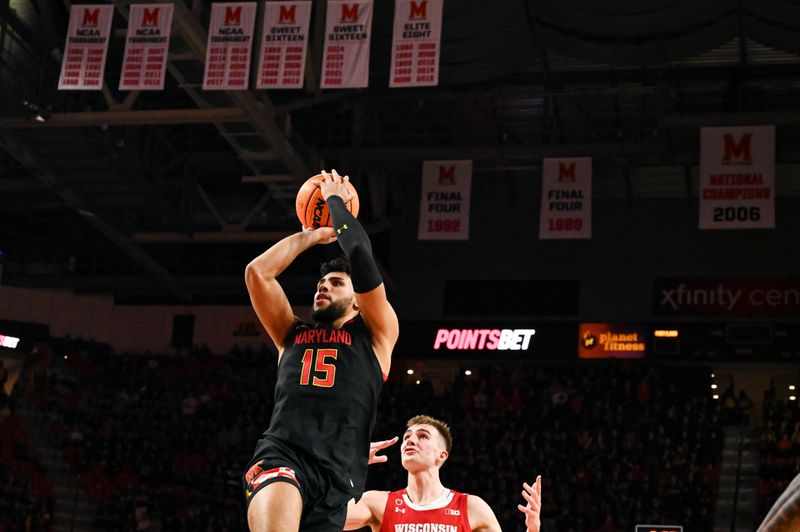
{"x":323,"y":336}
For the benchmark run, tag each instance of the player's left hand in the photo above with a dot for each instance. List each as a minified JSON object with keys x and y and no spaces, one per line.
{"x":375,"y":446}
{"x":334,"y":185}
{"x":532,"y":510}
{"x":321,"y":235}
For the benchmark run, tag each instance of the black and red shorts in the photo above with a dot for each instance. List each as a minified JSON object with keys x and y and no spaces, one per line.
{"x":324,"y":502}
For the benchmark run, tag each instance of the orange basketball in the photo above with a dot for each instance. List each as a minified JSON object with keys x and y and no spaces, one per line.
{"x":312,"y":211}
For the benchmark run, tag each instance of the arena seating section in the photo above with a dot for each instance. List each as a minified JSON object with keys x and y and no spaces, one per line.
{"x":160,"y":442}
{"x":780,"y":449}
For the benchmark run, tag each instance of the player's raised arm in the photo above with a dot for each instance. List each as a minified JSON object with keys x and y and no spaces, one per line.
{"x":378,"y":314}
{"x":368,"y":511}
{"x":268,"y":298}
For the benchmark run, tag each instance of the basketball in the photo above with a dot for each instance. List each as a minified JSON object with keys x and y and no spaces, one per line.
{"x":312,"y":211}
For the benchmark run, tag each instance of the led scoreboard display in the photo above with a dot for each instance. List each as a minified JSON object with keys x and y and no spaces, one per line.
{"x":658,"y":528}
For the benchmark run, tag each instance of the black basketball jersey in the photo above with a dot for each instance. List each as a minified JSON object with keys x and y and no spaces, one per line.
{"x":326,"y":398}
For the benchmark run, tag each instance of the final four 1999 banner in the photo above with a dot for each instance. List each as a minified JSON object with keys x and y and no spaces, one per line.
{"x":566,"y":198}
{"x":737,"y":177}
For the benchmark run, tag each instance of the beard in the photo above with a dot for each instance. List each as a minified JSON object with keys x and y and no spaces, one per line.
{"x":331,"y":313}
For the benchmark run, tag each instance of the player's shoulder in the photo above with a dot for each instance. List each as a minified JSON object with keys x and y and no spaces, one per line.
{"x":297,"y":327}
{"x":302,"y":325}
{"x":476,"y":502}
{"x":375,"y":496}
{"x":376,"y":502}
{"x":480,"y":513}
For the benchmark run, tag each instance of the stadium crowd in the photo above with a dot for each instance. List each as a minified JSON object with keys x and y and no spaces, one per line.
{"x":159,"y":441}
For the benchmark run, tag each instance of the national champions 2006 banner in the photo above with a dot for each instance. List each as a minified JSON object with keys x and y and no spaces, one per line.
{"x":737,"y":177}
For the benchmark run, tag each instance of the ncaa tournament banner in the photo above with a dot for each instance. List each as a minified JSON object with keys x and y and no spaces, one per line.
{"x":737,"y":177}
{"x":86,"y":48}
{"x":230,"y":39}
{"x":284,"y":41}
{"x":415,"y":43}
{"x":146,"y":47}
{"x":444,"y":201}
{"x":345,"y":61}
{"x":566,"y":198}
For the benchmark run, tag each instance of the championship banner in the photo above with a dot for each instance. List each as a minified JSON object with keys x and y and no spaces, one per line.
{"x":86,"y":47}
{"x":566,"y":198}
{"x":230,"y":39}
{"x":284,"y":41}
{"x":146,"y":47}
{"x":416,"y":43}
{"x":345,"y":61}
{"x":444,"y":201}
{"x":737,"y":177}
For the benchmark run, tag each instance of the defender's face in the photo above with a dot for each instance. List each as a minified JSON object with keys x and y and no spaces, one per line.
{"x":334,"y":288}
{"x":422,"y":447}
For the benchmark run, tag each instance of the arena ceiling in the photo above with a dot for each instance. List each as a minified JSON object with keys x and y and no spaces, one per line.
{"x":168,"y":194}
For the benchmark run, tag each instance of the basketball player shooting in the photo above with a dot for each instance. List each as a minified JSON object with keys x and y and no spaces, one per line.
{"x":425,"y":504}
{"x":313,"y":457}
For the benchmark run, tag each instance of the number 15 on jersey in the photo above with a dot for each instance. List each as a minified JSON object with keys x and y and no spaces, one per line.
{"x":324,"y":372}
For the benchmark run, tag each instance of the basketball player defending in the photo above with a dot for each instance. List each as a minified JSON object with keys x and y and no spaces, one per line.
{"x":425,"y":503}
{"x":313,"y":457}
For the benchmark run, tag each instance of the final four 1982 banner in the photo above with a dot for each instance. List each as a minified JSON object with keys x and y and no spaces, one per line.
{"x":444,"y":200}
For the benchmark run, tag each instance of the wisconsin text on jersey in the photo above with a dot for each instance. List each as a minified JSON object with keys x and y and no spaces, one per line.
{"x":425,"y":527}
{"x":324,"y":336}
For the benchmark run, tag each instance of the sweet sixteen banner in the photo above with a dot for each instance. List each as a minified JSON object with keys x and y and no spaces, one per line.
{"x":345,"y":61}
{"x":284,"y":41}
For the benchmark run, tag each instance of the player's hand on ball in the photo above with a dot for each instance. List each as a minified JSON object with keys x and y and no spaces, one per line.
{"x":322,"y":235}
{"x":375,"y":446}
{"x":334,"y":185}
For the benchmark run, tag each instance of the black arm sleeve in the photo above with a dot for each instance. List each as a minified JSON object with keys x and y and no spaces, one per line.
{"x":355,"y":243}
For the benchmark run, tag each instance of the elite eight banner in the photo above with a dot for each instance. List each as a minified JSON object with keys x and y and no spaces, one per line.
{"x":415,"y":43}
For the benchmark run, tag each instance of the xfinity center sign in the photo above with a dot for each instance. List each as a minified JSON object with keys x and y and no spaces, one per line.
{"x":727,"y":297}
